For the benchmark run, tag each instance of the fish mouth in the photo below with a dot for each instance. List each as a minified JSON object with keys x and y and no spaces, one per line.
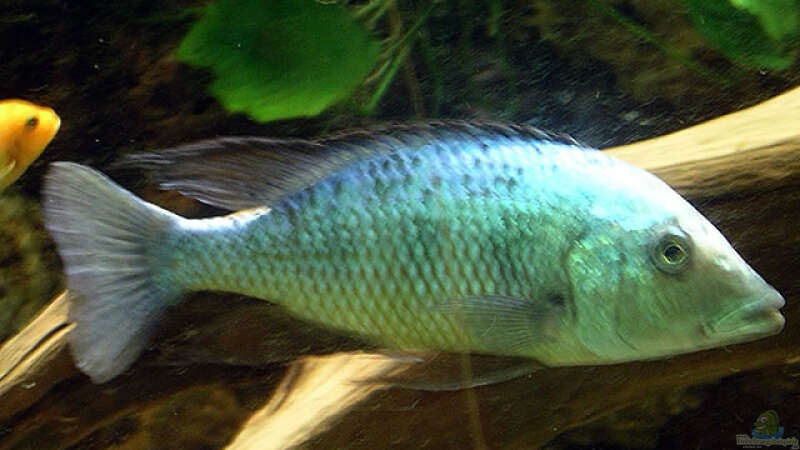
{"x":756,"y":319}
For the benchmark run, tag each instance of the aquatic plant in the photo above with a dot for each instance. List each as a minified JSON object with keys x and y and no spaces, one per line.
{"x":280,"y":59}
{"x":29,"y":274}
{"x":756,"y":33}
{"x":284,"y":59}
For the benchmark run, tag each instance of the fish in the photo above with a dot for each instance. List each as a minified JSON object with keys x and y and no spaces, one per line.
{"x":25,"y":130}
{"x":450,"y":237}
{"x":767,"y":426}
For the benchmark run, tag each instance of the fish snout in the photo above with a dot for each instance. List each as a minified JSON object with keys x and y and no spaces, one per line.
{"x":773,"y":299}
{"x":764,"y":313}
{"x":756,"y":319}
{"x":57,"y":123}
{"x":767,"y":311}
{"x":51,"y":120}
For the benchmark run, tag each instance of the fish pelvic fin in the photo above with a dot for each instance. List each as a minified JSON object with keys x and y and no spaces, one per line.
{"x":446,"y":371}
{"x":111,"y":244}
{"x":5,"y":171}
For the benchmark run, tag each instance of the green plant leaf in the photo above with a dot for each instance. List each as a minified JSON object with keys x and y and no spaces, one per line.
{"x":278,"y":59}
{"x":779,"y":18}
{"x":738,"y":34}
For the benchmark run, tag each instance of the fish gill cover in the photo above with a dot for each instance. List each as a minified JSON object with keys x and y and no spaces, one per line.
{"x":282,"y":58}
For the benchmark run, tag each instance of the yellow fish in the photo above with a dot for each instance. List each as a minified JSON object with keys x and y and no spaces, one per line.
{"x":25,"y":131}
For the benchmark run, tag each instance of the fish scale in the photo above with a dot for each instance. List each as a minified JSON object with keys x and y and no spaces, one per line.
{"x":410,"y":257}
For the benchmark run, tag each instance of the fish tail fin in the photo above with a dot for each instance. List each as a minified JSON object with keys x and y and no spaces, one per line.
{"x":113,"y":248}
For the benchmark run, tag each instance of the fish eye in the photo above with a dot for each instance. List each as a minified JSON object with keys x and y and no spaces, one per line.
{"x":32,"y":122}
{"x":671,"y":253}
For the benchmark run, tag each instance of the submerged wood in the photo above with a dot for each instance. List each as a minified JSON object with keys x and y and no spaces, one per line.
{"x":742,"y":171}
{"x":35,"y":359}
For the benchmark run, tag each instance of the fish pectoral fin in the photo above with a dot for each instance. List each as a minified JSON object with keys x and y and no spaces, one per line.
{"x":496,"y":325}
{"x":444,"y":371}
{"x":499,"y":324}
{"x":7,"y":168}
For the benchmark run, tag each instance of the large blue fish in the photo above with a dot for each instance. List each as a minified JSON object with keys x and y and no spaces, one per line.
{"x":458,"y":237}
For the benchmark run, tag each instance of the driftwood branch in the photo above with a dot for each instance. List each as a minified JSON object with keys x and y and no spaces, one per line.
{"x":34,"y":360}
{"x":741,"y":170}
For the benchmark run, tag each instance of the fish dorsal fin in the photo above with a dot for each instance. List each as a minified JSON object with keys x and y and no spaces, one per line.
{"x":244,"y":172}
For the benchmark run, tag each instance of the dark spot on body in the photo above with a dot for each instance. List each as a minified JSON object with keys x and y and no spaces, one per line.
{"x":557,"y":300}
{"x":338,"y":187}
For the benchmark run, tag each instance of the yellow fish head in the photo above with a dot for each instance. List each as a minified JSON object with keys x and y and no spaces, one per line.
{"x":34,"y":125}
{"x":25,"y":131}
